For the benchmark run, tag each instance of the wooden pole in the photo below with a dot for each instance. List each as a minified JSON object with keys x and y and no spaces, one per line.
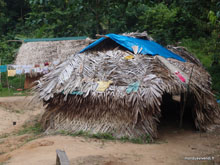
{"x":20,"y":82}
{"x":183,"y":100}
{"x":7,"y":77}
{"x":182,"y":108}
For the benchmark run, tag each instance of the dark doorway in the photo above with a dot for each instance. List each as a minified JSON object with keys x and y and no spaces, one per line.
{"x":170,"y":115}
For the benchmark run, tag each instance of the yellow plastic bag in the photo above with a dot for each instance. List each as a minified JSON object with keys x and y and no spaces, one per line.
{"x":129,"y":57}
{"x":103,"y":85}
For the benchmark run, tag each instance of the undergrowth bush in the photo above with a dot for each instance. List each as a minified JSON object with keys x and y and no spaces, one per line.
{"x":205,"y":50}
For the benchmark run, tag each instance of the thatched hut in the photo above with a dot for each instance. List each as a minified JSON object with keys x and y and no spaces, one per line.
{"x":36,"y":52}
{"x":122,"y":85}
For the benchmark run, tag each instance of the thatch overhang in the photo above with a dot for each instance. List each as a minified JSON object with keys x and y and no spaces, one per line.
{"x":74,"y":103}
{"x":180,"y":50}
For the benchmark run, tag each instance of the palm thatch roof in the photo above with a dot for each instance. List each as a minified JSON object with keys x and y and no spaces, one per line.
{"x":104,"y":91}
{"x":185,"y":54}
{"x":39,"y":52}
{"x":142,"y":35}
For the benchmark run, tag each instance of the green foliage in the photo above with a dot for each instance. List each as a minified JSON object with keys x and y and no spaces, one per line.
{"x":166,"y":21}
{"x":206,"y":50}
{"x":8,"y":50}
{"x":212,"y":17}
{"x":156,"y":21}
{"x":3,"y":19}
{"x":14,"y":83}
{"x":202,"y":48}
{"x":215,"y":72}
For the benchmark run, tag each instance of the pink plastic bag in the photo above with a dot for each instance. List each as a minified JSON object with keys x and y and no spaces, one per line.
{"x":180,"y":76}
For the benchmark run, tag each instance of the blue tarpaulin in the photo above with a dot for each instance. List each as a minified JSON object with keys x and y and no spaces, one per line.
{"x":148,"y":47}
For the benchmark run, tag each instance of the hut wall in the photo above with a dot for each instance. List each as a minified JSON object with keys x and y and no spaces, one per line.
{"x":97,"y":116}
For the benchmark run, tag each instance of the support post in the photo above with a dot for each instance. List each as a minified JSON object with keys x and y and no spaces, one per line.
{"x":7,"y":78}
{"x":183,"y":100}
{"x":62,"y":158}
{"x":182,"y":108}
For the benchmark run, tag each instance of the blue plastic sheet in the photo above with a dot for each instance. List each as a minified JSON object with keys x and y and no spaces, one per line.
{"x":76,"y":93}
{"x":132,"y":87}
{"x":148,"y":47}
{"x":3,"y":68}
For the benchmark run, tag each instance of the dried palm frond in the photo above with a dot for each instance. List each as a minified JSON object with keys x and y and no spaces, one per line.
{"x":184,"y":53}
{"x":142,"y":35}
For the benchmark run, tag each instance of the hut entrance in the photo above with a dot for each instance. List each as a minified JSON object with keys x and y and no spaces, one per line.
{"x":170,"y":115}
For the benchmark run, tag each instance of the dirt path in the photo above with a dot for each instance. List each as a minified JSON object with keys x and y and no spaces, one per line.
{"x":93,"y":152}
{"x":171,"y":148}
{"x":16,"y":109}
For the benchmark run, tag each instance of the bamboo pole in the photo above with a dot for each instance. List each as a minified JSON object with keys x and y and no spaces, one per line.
{"x":20,"y":82}
{"x":7,"y":77}
{"x":184,"y":100}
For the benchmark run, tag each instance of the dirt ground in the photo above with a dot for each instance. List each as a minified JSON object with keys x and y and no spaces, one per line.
{"x":174,"y":146}
{"x":16,"y":109}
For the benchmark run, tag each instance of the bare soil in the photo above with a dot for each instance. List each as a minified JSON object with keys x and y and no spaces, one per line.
{"x":174,"y":145}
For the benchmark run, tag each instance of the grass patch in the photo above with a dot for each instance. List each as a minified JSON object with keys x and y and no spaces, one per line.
{"x":142,"y":140}
{"x":107,"y":136}
{"x":18,"y":111}
{"x":1,"y":153}
{"x":4,"y":136}
{"x":32,"y":129}
{"x":4,"y":92}
{"x":35,"y":129}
